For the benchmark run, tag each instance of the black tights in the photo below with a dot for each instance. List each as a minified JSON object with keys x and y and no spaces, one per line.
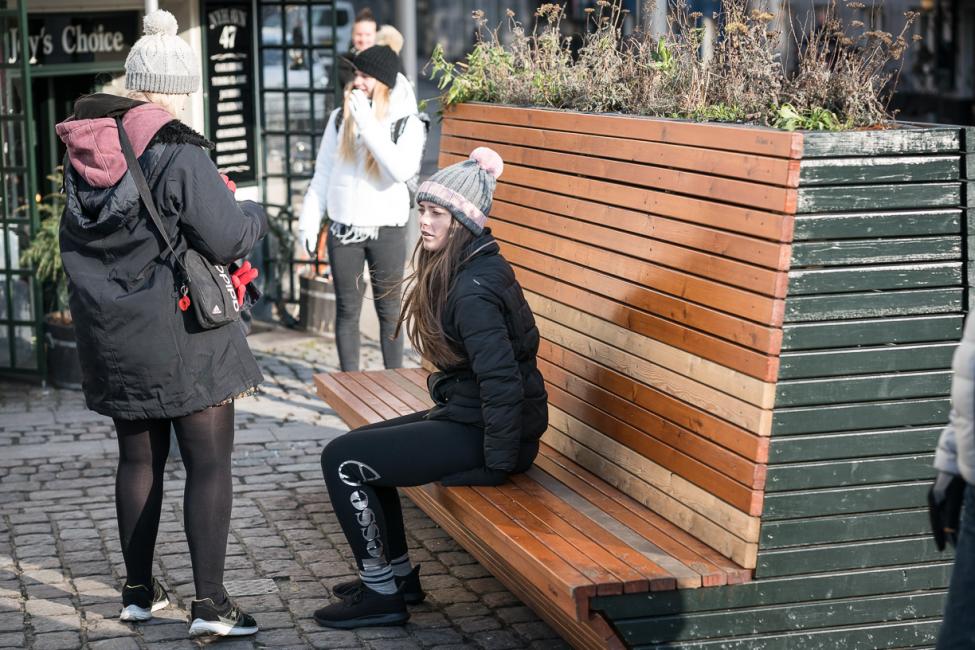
{"x":206,"y":440}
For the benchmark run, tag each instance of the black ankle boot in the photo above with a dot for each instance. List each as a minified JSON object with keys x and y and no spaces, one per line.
{"x":364,"y":608}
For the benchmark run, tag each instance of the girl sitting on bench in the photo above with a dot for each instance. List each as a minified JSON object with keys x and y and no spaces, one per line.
{"x":465,"y":313}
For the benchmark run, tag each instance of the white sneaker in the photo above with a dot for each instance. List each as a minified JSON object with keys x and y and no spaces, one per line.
{"x":138,"y":603}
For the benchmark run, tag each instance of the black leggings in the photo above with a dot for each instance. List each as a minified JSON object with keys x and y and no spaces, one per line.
{"x":206,"y":441}
{"x":364,"y":467}
{"x":386,"y":257}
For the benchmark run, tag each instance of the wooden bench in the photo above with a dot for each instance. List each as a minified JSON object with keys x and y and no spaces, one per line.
{"x":557,"y":535}
{"x":746,"y":379}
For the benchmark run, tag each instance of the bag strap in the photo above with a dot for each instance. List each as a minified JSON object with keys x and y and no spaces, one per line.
{"x":140,"y":182}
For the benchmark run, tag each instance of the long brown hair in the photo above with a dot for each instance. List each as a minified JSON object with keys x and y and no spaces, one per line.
{"x":347,"y":144}
{"x":425,"y":296}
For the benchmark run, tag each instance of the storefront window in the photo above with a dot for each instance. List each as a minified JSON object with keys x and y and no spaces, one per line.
{"x":297,"y":54}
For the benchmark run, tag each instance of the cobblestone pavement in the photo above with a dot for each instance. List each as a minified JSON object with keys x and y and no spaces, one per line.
{"x":61,"y":568}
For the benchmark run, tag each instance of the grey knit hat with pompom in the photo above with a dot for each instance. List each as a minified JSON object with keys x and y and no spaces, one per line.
{"x":160,"y":61}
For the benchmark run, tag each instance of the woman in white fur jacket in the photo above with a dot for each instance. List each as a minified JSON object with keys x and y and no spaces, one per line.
{"x":360,"y":181}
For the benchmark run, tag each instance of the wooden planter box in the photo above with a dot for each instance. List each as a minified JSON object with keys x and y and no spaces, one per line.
{"x":780,"y":311}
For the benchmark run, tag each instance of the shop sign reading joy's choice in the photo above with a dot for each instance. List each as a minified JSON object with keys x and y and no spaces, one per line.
{"x":76,"y":38}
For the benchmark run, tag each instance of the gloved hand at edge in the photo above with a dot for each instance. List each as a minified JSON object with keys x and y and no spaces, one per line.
{"x":944,"y":508}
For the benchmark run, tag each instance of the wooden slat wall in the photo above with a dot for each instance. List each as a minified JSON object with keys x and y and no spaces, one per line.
{"x":873,"y":313}
{"x":655,"y":257}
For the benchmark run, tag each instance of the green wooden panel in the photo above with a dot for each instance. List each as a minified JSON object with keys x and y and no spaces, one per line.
{"x":765,"y":620}
{"x":856,"y":444}
{"x":779,"y":591}
{"x":873,"y":304}
{"x":852,"y":225}
{"x":875,"y":278}
{"x":851,"y":417}
{"x":910,"y":196}
{"x":875,"y":251}
{"x":860,"y":471}
{"x":862,"y":388}
{"x":881,"y":143}
{"x":888,"y":358}
{"x":868,"y":637}
{"x":899,"y":169}
{"x":840,"y":501}
{"x":847,"y":528}
{"x":853,"y":555}
{"x":881,"y":331}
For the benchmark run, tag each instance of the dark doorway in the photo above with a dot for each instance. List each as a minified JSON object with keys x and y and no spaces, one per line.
{"x":54,"y":99}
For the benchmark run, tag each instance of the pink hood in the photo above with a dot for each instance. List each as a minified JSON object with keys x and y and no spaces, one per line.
{"x":93,"y":144}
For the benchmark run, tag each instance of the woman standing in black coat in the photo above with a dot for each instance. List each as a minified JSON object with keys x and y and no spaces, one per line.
{"x":468,"y":316}
{"x":146,"y":363}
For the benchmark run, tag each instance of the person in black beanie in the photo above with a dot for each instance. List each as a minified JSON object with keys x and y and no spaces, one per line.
{"x":364,"y":31}
{"x":371,"y":148}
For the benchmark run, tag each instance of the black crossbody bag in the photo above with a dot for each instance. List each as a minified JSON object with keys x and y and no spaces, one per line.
{"x":208,"y":286}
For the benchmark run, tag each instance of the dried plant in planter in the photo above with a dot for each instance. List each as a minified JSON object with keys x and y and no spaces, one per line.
{"x":843,"y":78}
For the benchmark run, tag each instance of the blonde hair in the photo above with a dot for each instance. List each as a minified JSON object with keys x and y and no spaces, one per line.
{"x":391,"y":37}
{"x":347,"y":137}
{"x":165,"y":100}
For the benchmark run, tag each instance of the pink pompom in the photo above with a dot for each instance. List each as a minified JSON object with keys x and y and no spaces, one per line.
{"x":488,"y":160}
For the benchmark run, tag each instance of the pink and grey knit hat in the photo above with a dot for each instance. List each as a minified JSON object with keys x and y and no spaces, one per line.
{"x":466,"y":188}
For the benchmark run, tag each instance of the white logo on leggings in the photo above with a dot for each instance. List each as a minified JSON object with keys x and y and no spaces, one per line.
{"x":355,"y":473}
{"x":366,"y":518}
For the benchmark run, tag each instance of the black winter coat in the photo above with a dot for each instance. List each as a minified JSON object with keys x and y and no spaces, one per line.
{"x":141,"y":356}
{"x":498,"y":386}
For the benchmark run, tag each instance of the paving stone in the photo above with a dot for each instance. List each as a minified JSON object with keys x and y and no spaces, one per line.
{"x":129,"y":643}
{"x":57,"y":641}
{"x":497,"y":640}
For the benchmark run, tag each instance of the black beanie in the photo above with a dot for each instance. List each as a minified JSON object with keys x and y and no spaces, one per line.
{"x":378,"y":61}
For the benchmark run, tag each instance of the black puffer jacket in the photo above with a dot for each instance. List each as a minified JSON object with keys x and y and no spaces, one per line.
{"x":141,"y":357}
{"x":498,"y":386}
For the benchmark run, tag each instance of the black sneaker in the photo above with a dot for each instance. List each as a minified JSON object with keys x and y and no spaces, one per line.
{"x":409,"y":585}
{"x":364,"y":608}
{"x":139,"y":601}
{"x":227,"y":620}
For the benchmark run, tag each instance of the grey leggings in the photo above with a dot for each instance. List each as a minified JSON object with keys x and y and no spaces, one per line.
{"x":386,"y":256}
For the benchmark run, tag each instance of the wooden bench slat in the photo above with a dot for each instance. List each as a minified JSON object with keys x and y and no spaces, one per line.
{"x":761,"y":141}
{"x":747,"y":444}
{"x":757,"y":363}
{"x":656,"y":578}
{"x":637,"y":347}
{"x":730,"y":531}
{"x":360,"y":387}
{"x":713,"y":468}
{"x":578,"y":631}
{"x":569,"y":587}
{"x":714,"y":568}
{"x":349,"y":407}
{"x":762,"y":169}
{"x":642,"y":376}
{"x":389,"y":382}
{"x":756,"y":300}
{"x":605,"y":580}
{"x":612,"y":559}
{"x":691,"y":183}
{"x":712,"y":312}
{"x":674,"y":206}
{"x":509,"y":222}
{"x":754,"y":247}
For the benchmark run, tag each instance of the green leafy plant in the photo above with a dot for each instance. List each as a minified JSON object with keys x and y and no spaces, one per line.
{"x":812,"y":119}
{"x":44,"y":252}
